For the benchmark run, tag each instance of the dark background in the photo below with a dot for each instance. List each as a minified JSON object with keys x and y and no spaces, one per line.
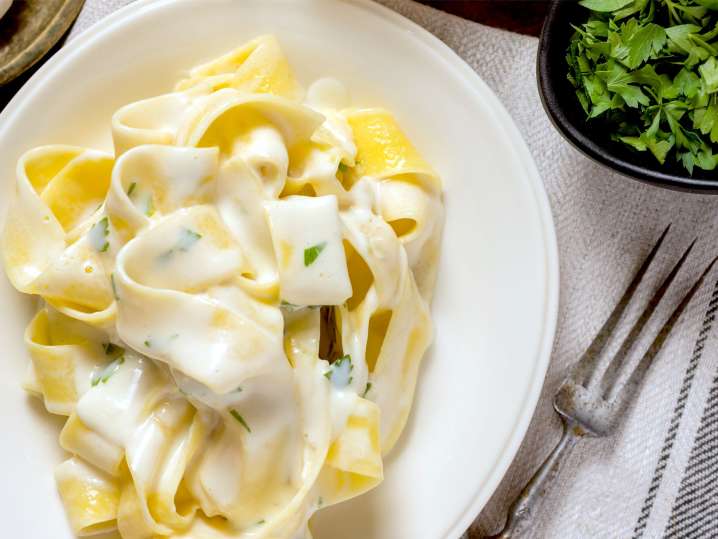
{"x":523,"y":16}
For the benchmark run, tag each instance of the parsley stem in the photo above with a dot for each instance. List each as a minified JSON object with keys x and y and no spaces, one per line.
{"x":235,"y":414}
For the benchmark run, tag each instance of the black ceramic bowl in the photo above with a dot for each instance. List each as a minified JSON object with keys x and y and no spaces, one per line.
{"x":559,"y":99}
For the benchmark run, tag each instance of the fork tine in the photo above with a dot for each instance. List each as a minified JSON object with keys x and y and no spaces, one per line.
{"x":586,"y":365}
{"x":614,"y":367}
{"x":634,"y":380}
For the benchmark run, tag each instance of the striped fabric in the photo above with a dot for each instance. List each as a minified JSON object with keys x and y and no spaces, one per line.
{"x":656,"y":476}
{"x":695,"y":511}
{"x":669,"y":441}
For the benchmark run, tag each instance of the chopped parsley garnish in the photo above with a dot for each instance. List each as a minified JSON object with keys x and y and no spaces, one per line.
{"x":148,"y":343}
{"x":311,"y":253}
{"x":131,"y":189}
{"x":259,"y":523}
{"x":290,"y":307}
{"x":235,"y":414}
{"x":647,"y":70}
{"x":187,"y":239}
{"x":114,"y":288}
{"x":339,"y":372}
{"x":98,"y":235}
{"x":150,"y":207}
{"x":366,"y":389}
{"x":185,"y":242}
{"x":106,"y":373}
{"x":343,"y":168}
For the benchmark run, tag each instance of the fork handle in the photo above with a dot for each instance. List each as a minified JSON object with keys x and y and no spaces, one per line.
{"x":521,"y":511}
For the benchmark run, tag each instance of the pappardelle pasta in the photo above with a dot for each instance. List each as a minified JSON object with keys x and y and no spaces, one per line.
{"x":234,"y":304}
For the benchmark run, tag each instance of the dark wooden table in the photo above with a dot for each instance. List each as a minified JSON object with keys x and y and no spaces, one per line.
{"x":523,"y":16}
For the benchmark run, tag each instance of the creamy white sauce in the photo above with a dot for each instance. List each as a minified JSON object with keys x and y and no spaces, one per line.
{"x":98,"y":235}
{"x":114,"y":407}
{"x":328,"y":93}
{"x":211,"y":280}
{"x":329,"y":97}
{"x":311,"y":262}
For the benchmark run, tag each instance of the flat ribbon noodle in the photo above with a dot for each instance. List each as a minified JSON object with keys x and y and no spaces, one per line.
{"x":258,"y":67}
{"x":90,"y":496}
{"x":197,"y":404}
{"x":64,"y":356}
{"x":60,"y":190}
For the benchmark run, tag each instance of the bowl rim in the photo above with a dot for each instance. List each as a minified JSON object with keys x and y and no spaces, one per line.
{"x":577,"y":138}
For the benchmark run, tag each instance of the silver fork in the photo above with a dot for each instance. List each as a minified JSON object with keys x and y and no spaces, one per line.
{"x":590,"y":404}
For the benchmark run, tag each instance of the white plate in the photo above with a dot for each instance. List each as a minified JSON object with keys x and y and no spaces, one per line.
{"x":497,"y":295}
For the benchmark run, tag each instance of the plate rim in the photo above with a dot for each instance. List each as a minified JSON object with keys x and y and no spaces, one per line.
{"x":551,"y":304}
{"x":477,"y":86}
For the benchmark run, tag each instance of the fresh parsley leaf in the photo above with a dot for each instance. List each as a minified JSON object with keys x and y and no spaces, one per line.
{"x":645,"y":43}
{"x":635,"y":7}
{"x":636,"y":142}
{"x":235,"y":414}
{"x":290,"y":307}
{"x":366,"y":389}
{"x":150,"y":207}
{"x":311,"y":253}
{"x":187,"y":238}
{"x":686,"y":83}
{"x":709,"y":74}
{"x":339,"y":373}
{"x":105,"y":374}
{"x":618,"y":80}
{"x":682,"y":40}
{"x":706,"y":121}
{"x":647,"y":71}
{"x":605,"y":5}
{"x":98,"y":235}
{"x":131,"y":189}
{"x":659,"y":148}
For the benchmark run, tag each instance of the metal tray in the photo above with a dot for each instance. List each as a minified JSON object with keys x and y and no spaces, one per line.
{"x":29,"y":30}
